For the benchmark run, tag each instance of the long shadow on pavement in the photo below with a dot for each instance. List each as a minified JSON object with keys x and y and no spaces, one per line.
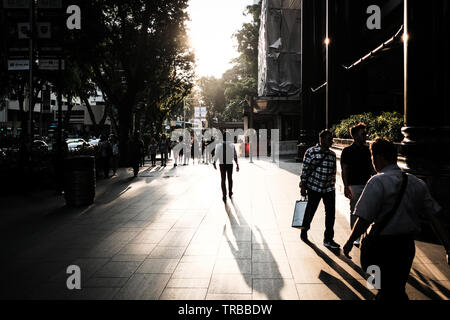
{"x":366,"y":293}
{"x":240,"y":221}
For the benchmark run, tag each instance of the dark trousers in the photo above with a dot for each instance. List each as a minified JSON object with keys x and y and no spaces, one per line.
{"x":329,"y":200}
{"x":226,"y":170}
{"x":396,"y":254}
{"x":163,"y":158}
{"x":105,"y":165}
{"x":115,"y":163}
{"x":153,"y":158}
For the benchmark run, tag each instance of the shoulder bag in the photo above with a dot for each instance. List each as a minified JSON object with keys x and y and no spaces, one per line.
{"x":369,"y":244}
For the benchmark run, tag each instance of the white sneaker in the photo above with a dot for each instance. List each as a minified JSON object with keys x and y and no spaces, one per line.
{"x":357,"y":243}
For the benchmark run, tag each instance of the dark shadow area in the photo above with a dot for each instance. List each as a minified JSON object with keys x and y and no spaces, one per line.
{"x":425,"y":290}
{"x":114,"y":190}
{"x":240,"y":221}
{"x":338,"y":287}
{"x":365,"y":292}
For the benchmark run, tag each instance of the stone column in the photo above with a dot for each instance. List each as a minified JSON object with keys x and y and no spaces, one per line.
{"x":427,"y":95}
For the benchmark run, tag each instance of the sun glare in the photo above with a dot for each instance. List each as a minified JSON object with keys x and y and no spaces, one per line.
{"x":211,"y":29}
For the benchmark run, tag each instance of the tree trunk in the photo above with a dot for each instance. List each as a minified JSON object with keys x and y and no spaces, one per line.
{"x":124,"y":131}
{"x":69,"y":113}
{"x":91,"y":114}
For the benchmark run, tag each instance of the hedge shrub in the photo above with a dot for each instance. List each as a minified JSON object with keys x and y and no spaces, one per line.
{"x":387,"y":124}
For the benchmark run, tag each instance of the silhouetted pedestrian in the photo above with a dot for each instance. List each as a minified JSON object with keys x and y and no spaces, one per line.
{"x":135,"y":153}
{"x":105,"y":153}
{"x":152,"y":149}
{"x":225,"y":152}
{"x":356,"y":168}
{"x":115,"y":154}
{"x":394,"y":229}
{"x":318,"y":180}
{"x":164,"y":149}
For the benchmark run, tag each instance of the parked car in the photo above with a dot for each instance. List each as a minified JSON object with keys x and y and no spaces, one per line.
{"x":94,"y":142}
{"x":40,"y":145}
{"x":75,"y":144}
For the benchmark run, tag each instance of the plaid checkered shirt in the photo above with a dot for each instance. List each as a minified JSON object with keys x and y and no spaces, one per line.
{"x":319,"y":173}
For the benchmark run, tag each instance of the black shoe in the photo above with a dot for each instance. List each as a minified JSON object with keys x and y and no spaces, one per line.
{"x":331,"y":244}
{"x":304,"y":235}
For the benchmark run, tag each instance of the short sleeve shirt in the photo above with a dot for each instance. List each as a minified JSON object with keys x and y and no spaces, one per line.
{"x":359,"y":163}
{"x":380,"y":194}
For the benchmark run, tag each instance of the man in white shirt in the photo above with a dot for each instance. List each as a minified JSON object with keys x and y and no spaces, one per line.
{"x":395,"y":247}
{"x":225,"y":152}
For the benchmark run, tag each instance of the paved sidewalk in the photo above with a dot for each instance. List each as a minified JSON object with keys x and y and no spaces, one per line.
{"x":168,"y":235}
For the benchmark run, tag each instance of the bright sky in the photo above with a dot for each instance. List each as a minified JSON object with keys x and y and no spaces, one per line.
{"x":211,"y":29}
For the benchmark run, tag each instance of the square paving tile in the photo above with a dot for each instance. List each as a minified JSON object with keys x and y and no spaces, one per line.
{"x":105,"y":282}
{"x":177,"y":237}
{"x":93,"y":294}
{"x":158,"y":266}
{"x":129,"y":257}
{"x":118,"y":269}
{"x":149,"y":236}
{"x":322,"y":291}
{"x":227,"y":297}
{"x":233,"y":266}
{"x":143,"y":287}
{"x":188,"y":283}
{"x":183,"y":294}
{"x":138,"y":248}
{"x":193,"y":270}
{"x":160,"y":252}
{"x":272,"y":270}
{"x":237,"y":250}
{"x":269,"y":256}
{"x":274,"y":289}
{"x":230,"y":284}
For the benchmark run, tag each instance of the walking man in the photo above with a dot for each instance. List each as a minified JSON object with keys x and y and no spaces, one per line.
{"x":356,"y":168}
{"x":115,"y":154}
{"x":152,"y":148}
{"x":135,"y":153}
{"x":318,"y":180}
{"x":164,"y":149}
{"x":225,"y":152}
{"x":395,"y":248}
{"x":105,"y":150}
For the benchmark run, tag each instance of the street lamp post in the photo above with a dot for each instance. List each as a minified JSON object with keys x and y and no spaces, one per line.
{"x":30,"y":99}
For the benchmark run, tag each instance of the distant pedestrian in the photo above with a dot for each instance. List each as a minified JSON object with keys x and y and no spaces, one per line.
{"x":318,"y":180}
{"x":203,"y":150}
{"x":178,"y":156}
{"x":115,"y":154}
{"x":152,"y":148}
{"x":357,"y":168}
{"x":135,"y":153}
{"x":105,"y":153}
{"x":395,"y":248}
{"x":225,"y":152}
{"x":164,"y":149}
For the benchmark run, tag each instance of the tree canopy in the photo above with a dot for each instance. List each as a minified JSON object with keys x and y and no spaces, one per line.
{"x":225,"y":96}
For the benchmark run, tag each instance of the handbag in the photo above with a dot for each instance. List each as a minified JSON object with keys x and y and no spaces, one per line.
{"x":369,"y":244}
{"x":298,"y":221}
